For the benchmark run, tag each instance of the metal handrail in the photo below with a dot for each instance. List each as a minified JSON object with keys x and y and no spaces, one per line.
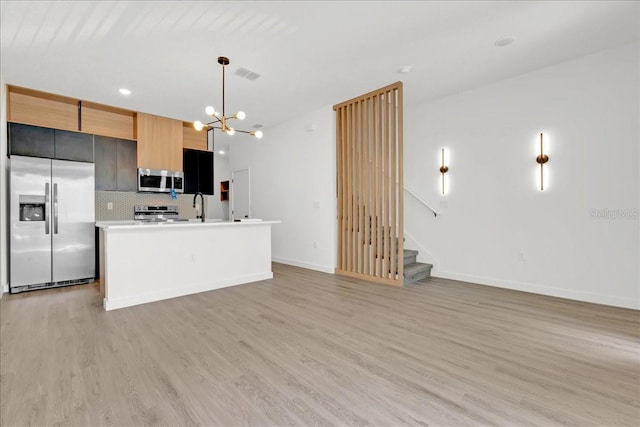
{"x":435,"y":213}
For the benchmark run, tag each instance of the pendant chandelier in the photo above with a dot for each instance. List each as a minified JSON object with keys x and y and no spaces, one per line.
{"x":219,"y":119}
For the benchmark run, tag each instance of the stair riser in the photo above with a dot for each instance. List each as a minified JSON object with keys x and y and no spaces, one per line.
{"x":409,"y":259}
{"x":417,"y":277}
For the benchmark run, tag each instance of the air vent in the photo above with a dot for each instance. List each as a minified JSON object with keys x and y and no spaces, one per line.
{"x":247,"y":74}
{"x":242,"y":72}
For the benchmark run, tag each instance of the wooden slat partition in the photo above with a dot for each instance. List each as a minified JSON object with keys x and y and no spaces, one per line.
{"x":370,"y":186}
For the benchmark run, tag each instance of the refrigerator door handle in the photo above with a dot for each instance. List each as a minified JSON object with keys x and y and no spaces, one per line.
{"x":55,"y":208}
{"x":46,"y":208}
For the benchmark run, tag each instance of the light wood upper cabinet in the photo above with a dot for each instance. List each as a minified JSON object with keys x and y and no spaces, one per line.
{"x":103,"y":120}
{"x":37,"y":108}
{"x":191,"y":138}
{"x":159,"y":142}
{"x":32,"y":107}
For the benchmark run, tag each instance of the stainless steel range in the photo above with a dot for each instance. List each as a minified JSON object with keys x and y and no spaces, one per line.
{"x":157,"y":213}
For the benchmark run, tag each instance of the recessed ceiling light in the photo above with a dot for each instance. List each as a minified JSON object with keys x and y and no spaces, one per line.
{"x":221,"y":152}
{"x":504,"y":41}
{"x":404,"y":70}
{"x":124,"y":91}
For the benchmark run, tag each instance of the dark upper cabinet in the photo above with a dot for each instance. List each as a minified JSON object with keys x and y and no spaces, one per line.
{"x":190,"y":169}
{"x":116,"y":164}
{"x":35,"y":141}
{"x":127,"y":165}
{"x":73,"y":146}
{"x":106,"y":163}
{"x":198,"y":171}
{"x":205,"y":172}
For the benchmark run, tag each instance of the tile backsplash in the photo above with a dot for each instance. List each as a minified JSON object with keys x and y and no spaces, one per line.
{"x":124,"y":201}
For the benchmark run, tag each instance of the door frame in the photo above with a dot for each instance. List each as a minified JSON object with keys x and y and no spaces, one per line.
{"x":232,"y":204}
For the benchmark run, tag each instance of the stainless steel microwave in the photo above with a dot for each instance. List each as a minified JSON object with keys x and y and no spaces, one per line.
{"x":160,"y":181}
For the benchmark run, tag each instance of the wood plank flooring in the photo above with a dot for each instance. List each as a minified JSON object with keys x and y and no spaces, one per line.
{"x":313,"y":349}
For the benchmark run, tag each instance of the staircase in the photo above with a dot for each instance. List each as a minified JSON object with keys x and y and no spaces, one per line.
{"x":414,"y":271}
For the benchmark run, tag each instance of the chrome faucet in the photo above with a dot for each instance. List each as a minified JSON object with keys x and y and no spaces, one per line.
{"x":195,"y":196}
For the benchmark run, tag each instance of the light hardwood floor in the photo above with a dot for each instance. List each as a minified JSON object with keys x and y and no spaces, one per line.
{"x":309,"y":348}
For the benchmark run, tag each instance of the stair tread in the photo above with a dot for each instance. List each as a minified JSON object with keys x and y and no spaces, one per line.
{"x":409,"y":252}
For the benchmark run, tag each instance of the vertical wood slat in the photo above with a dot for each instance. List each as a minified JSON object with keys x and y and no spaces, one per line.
{"x":345,"y":207}
{"x":400,"y":180}
{"x":369,"y":190}
{"x":349,"y":199}
{"x":385,"y":186}
{"x":392,"y":182}
{"x":339,"y":185}
{"x":363,"y":201}
{"x":378,"y":122}
{"x":358,"y":184}
{"x":354,"y":193}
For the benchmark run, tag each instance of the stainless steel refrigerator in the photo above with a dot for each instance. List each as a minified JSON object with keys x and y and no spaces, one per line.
{"x":52,"y":223}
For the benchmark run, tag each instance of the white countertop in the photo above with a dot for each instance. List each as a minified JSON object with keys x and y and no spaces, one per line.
{"x":138,"y":225}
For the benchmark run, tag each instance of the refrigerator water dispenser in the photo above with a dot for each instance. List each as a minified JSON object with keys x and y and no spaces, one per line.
{"x":31,"y":208}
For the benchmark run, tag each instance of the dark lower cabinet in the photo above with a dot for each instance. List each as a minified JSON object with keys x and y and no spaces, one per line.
{"x":35,"y":141}
{"x":198,"y":171}
{"x":116,"y":164}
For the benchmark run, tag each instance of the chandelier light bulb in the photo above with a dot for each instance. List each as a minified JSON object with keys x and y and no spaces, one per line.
{"x":220,"y":120}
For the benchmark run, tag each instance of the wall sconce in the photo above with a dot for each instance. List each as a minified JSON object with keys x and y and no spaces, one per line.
{"x":443,"y":169}
{"x":541,"y":160}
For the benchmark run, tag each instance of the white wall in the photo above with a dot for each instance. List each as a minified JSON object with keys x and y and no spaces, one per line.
{"x":589,"y":109}
{"x":293,"y":179}
{"x":215,"y":208}
{"x":3,"y":188}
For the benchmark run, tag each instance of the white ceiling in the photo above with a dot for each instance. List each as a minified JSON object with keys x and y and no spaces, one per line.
{"x":309,"y":53}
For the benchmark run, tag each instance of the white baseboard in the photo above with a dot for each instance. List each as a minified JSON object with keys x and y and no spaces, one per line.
{"x":307,"y":265}
{"x":195,"y":288}
{"x":542,"y":290}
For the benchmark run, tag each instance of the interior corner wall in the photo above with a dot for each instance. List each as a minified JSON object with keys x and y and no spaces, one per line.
{"x":577,"y":239}
{"x":4,"y":253}
{"x":293,"y":179}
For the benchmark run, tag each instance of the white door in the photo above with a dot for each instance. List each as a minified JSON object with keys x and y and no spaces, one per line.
{"x":240,"y":195}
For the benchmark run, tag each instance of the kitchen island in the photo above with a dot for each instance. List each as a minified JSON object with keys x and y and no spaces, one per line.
{"x":145,"y":262}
